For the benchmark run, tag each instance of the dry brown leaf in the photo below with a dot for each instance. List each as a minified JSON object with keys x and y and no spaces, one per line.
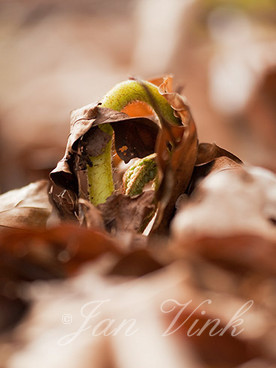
{"x":210,"y":158}
{"x":31,"y":254}
{"x":201,"y":171}
{"x":126,"y":299}
{"x":137,"y":263}
{"x":176,"y":149}
{"x":216,"y":351}
{"x":152,"y":302}
{"x":123,"y":213}
{"x":90,"y":216}
{"x":233,"y":201}
{"x":91,"y":116}
{"x":208,"y":152}
{"x":241,"y":252}
{"x":136,"y":135}
{"x":25,"y":207}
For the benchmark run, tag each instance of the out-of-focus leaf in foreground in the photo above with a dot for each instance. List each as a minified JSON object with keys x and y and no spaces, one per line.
{"x":234,"y":200}
{"x":218,"y":260}
{"x":31,"y":254}
{"x":27,"y":255}
{"x":151,"y":303}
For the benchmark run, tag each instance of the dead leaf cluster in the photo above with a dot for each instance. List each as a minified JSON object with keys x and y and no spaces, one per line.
{"x":211,"y":252}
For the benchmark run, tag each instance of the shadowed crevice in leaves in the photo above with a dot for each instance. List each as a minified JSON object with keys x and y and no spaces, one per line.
{"x":210,"y":158}
{"x":135,"y":138}
{"x":123,"y":213}
{"x":136,"y":134}
{"x":64,"y":203}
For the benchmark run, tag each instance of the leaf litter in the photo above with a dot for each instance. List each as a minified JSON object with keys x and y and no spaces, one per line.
{"x":213,"y":238}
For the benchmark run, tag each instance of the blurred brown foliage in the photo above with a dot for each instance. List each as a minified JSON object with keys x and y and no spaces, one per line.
{"x":58,"y":56}
{"x":219,"y":257}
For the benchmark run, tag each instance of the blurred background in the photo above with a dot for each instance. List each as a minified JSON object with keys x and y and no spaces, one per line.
{"x":59,"y":55}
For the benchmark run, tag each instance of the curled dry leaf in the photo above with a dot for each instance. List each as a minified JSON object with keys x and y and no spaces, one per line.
{"x":181,"y":162}
{"x":91,"y":116}
{"x":65,"y":205}
{"x":208,"y":152}
{"x":25,"y":207}
{"x":210,"y":158}
{"x":176,"y":149}
{"x":134,"y":137}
